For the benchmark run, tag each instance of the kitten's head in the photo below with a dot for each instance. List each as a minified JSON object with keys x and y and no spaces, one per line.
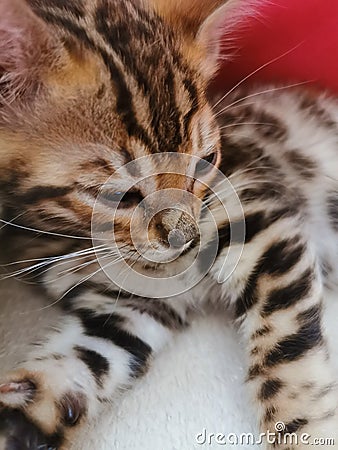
{"x":88,"y":86}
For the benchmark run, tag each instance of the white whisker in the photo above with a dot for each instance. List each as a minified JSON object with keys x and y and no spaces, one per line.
{"x":237,"y":124}
{"x":50,"y":233}
{"x":12,"y":220}
{"x":47,"y":262}
{"x":219,"y":196}
{"x":260,"y":68}
{"x":266,"y":91}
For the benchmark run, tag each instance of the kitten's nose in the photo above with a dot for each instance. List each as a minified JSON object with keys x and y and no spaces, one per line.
{"x":176,"y":227}
{"x":176,"y":238}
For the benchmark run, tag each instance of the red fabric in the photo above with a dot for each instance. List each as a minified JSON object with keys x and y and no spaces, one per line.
{"x":307,"y":29}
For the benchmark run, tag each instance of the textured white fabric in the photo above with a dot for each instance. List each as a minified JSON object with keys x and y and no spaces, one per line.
{"x":198,"y":383}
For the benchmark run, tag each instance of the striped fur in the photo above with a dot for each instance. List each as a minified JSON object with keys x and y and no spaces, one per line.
{"x":124,"y":83}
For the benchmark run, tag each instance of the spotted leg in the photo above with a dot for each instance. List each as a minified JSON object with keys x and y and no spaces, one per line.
{"x":290,"y":372}
{"x":100,"y":346}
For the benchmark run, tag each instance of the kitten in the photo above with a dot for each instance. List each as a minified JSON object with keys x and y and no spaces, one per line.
{"x":90,"y":87}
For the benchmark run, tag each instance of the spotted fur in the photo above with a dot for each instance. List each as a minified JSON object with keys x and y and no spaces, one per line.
{"x":115,"y":82}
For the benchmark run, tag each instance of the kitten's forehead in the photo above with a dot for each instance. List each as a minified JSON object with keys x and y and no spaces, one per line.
{"x":151,"y":87}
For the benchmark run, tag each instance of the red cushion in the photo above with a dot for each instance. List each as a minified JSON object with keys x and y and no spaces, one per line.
{"x":307,"y":29}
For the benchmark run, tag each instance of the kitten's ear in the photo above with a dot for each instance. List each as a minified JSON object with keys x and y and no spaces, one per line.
{"x":208,"y":23}
{"x":186,"y":15}
{"x":25,"y":48}
{"x":216,"y":33}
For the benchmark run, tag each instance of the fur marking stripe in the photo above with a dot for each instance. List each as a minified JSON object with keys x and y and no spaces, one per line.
{"x":108,"y":327}
{"x":161,"y":91}
{"x":295,"y":425}
{"x":271,"y":263}
{"x":158,"y":310}
{"x":38,"y":193}
{"x":281,"y":257}
{"x":96,"y":363}
{"x":124,"y":96}
{"x":296,"y":345}
{"x":332,"y":205}
{"x":65,"y":7}
{"x":270,"y":388}
{"x":285,"y":297}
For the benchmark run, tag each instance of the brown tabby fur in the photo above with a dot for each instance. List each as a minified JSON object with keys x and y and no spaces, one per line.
{"x":91,"y":103}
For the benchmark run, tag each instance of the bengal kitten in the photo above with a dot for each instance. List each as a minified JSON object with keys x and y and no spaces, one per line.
{"x":90,"y":86}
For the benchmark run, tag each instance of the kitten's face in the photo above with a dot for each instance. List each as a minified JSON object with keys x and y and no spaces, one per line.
{"x":72,"y":162}
{"x":99,"y":107}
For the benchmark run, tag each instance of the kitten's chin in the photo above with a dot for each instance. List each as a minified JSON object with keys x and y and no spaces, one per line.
{"x":159,"y":256}
{"x":164,"y":254}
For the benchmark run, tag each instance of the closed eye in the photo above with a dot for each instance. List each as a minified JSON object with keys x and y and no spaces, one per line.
{"x":120,"y":199}
{"x":206,"y":164}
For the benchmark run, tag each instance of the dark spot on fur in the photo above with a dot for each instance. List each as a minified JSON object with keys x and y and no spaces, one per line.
{"x":266,"y":329}
{"x":104,"y":400}
{"x":109,"y":327}
{"x":312,"y":107}
{"x":305,"y":166}
{"x":270,"y":388}
{"x":41,"y":193}
{"x":254,"y":224}
{"x":159,"y":310}
{"x":134,"y":170}
{"x":308,"y":386}
{"x":96,"y":363}
{"x":332,"y":207}
{"x":328,"y":414}
{"x":235,"y":156}
{"x":75,"y":7}
{"x":268,"y":264}
{"x":255,"y":350}
{"x":324,"y":391}
{"x":64,"y":202}
{"x":295,"y":425}
{"x":287,"y":296}
{"x":293,"y":395}
{"x":294,"y":346}
{"x":282,"y":256}
{"x":269,"y":415}
{"x":270,"y":127}
{"x":309,"y":315}
{"x":268,"y":191}
{"x":326,"y":268}
{"x":99,"y":165}
{"x":255,"y":371}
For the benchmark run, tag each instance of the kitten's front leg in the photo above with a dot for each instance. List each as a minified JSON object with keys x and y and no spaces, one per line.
{"x":101,"y":347}
{"x":290,"y":369}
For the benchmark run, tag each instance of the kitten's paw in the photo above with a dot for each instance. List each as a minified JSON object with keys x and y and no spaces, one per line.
{"x":33,"y":415}
{"x":16,"y":392}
